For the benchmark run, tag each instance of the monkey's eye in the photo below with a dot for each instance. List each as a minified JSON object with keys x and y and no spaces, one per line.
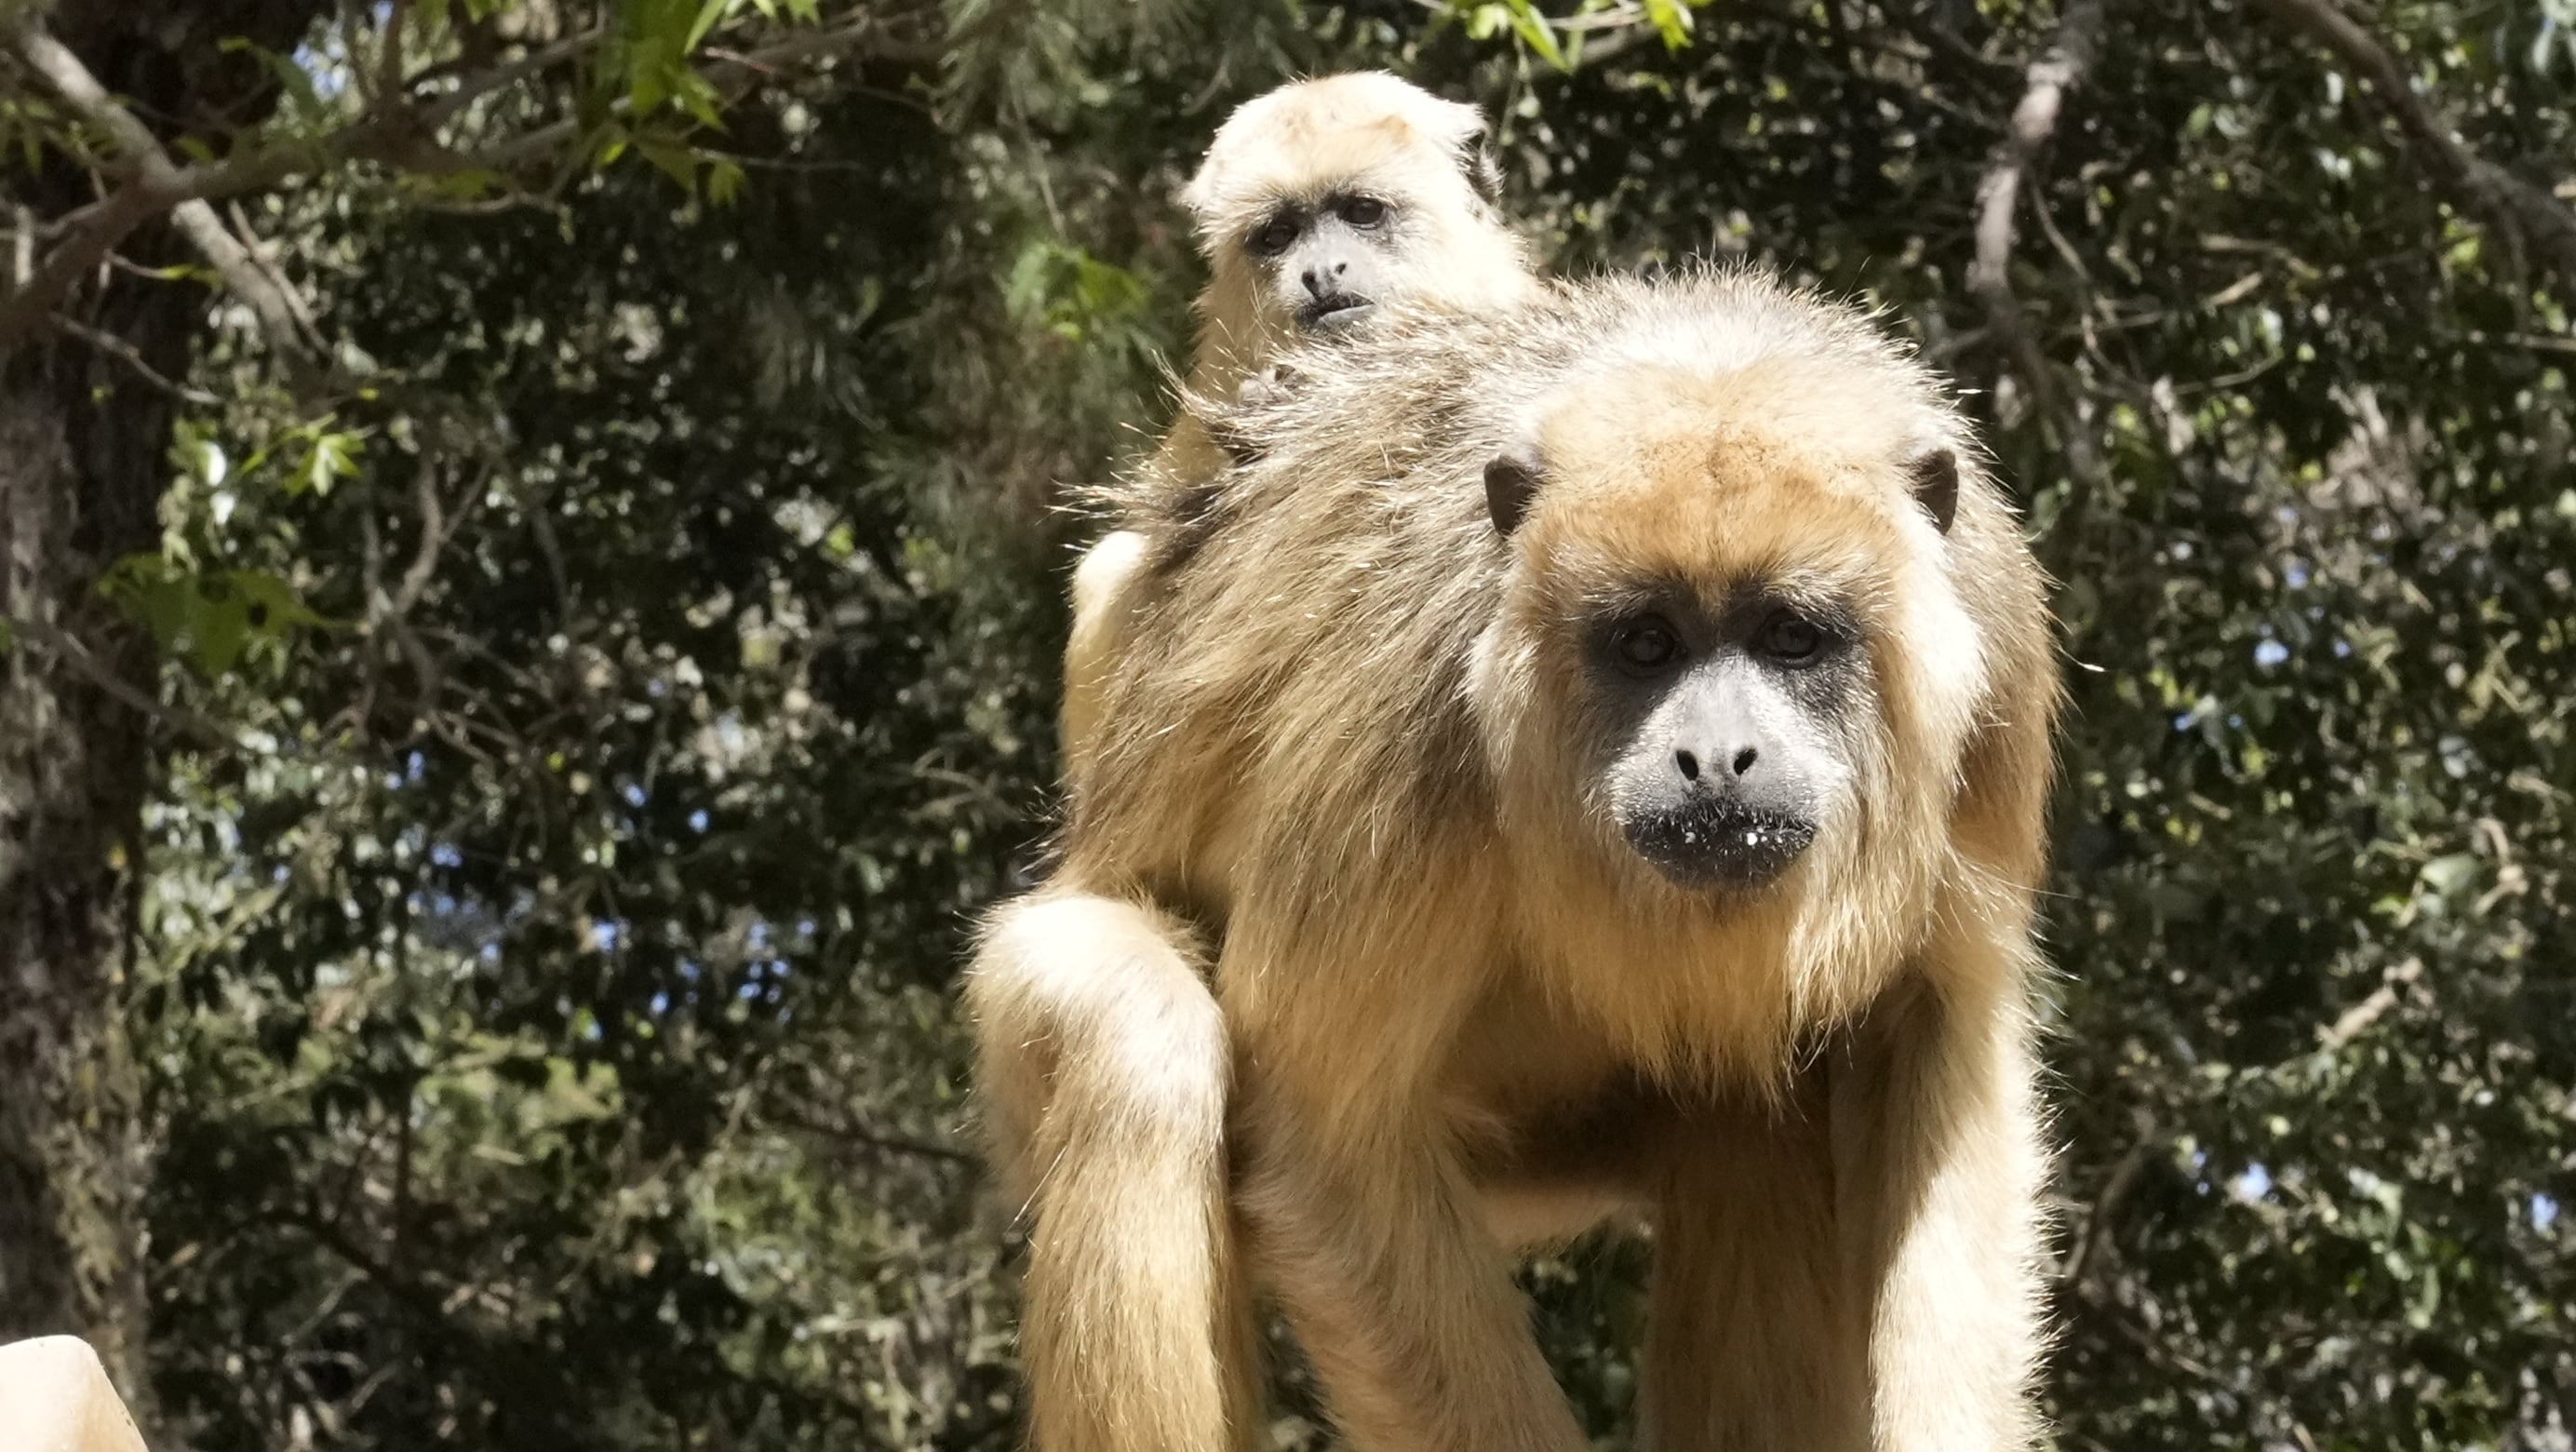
{"x":1363,"y":211}
{"x":1645,"y":645}
{"x":1275,"y":235}
{"x":1790,"y":638}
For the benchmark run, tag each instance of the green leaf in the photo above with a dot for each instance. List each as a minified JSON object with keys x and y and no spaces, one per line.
{"x":220,"y":626}
{"x":2450,"y":874}
{"x":332,"y":457}
{"x":1673,"y":19}
{"x":709,"y":12}
{"x":674,"y":160}
{"x":145,"y":588}
{"x":699,"y":97}
{"x":299,"y":86}
{"x":270,"y":605}
{"x":211,"y":618}
{"x":1536,"y":33}
{"x":724,"y":181}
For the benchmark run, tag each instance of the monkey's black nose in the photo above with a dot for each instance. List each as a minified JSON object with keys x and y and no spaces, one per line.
{"x":1324,"y":281}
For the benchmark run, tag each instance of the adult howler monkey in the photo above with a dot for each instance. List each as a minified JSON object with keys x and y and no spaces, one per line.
{"x":1610,"y":734}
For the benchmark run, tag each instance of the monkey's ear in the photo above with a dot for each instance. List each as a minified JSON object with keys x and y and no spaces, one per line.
{"x":1511,"y":480}
{"x":1936,"y":487}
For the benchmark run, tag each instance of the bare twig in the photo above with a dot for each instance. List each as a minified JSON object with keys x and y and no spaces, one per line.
{"x":875,"y":1139}
{"x":2105,"y":1207}
{"x":132,"y":357}
{"x":63,"y":647}
{"x":2362,"y":1015}
{"x":52,"y":280}
{"x":739,"y":73}
{"x":2528,"y":217}
{"x":264,"y":257}
{"x":438,"y":112}
{"x":2057,"y":71}
{"x":268,"y":299}
{"x":389,"y":66}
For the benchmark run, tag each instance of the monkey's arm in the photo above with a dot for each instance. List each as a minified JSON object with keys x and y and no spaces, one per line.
{"x":1937,"y":1139}
{"x":1103,"y":1069}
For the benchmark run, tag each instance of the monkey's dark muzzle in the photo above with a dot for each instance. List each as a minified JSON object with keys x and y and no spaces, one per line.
{"x":1709,"y":844}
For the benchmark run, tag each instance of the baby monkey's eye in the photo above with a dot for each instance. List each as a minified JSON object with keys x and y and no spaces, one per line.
{"x":1275,"y":235}
{"x":1363,"y":211}
{"x":1645,"y":645}
{"x":1790,"y":638}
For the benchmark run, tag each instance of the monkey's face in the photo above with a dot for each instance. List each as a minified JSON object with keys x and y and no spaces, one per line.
{"x":1325,"y":202}
{"x":1718,"y":603}
{"x":1325,"y":262}
{"x":1722,"y":720}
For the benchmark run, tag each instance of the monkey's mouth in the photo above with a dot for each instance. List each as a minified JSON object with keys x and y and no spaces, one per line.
{"x":1719,"y":845}
{"x":1338,"y":311}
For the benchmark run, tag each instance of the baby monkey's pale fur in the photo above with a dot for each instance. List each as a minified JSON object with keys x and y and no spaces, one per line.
{"x":1441,"y":246}
{"x":1353,"y":730}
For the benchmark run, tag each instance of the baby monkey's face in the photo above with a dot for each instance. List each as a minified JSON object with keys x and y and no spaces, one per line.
{"x":1328,"y":260}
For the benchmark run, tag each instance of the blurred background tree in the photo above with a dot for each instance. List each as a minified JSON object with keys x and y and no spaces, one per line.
{"x":529,"y":599}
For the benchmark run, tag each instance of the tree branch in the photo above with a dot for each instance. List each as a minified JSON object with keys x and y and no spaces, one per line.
{"x":394,"y":131}
{"x":2350,"y":1024}
{"x":2057,"y":71}
{"x":2098,"y":1217}
{"x":152,"y":184}
{"x":2530,"y":219}
{"x":132,"y":357}
{"x":59,"y":644}
{"x":875,"y":1139}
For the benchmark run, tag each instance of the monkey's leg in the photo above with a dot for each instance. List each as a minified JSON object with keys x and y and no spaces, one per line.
{"x":1102,"y":586}
{"x":1756,"y":1340}
{"x":1401,"y":1299}
{"x":1360,"y":1212}
{"x":1939,"y":1167}
{"x":1105,"y":1068}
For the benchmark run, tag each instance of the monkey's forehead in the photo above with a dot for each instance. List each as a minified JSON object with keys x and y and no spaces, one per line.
{"x":1310,"y":136}
{"x":1355,"y":101}
{"x":1397,"y":165}
{"x":1783,"y":466}
{"x":1840,"y":422}
{"x":1712,"y":539}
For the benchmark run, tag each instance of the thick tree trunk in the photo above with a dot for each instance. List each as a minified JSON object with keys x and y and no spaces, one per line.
{"x":82,"y":444}
{"x":84,"y":438}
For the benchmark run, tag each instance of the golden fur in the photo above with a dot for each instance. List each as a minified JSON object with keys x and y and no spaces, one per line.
{"x":1349,"y":734}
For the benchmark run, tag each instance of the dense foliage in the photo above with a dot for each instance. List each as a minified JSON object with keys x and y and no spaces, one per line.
{"x":583,"y":745}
